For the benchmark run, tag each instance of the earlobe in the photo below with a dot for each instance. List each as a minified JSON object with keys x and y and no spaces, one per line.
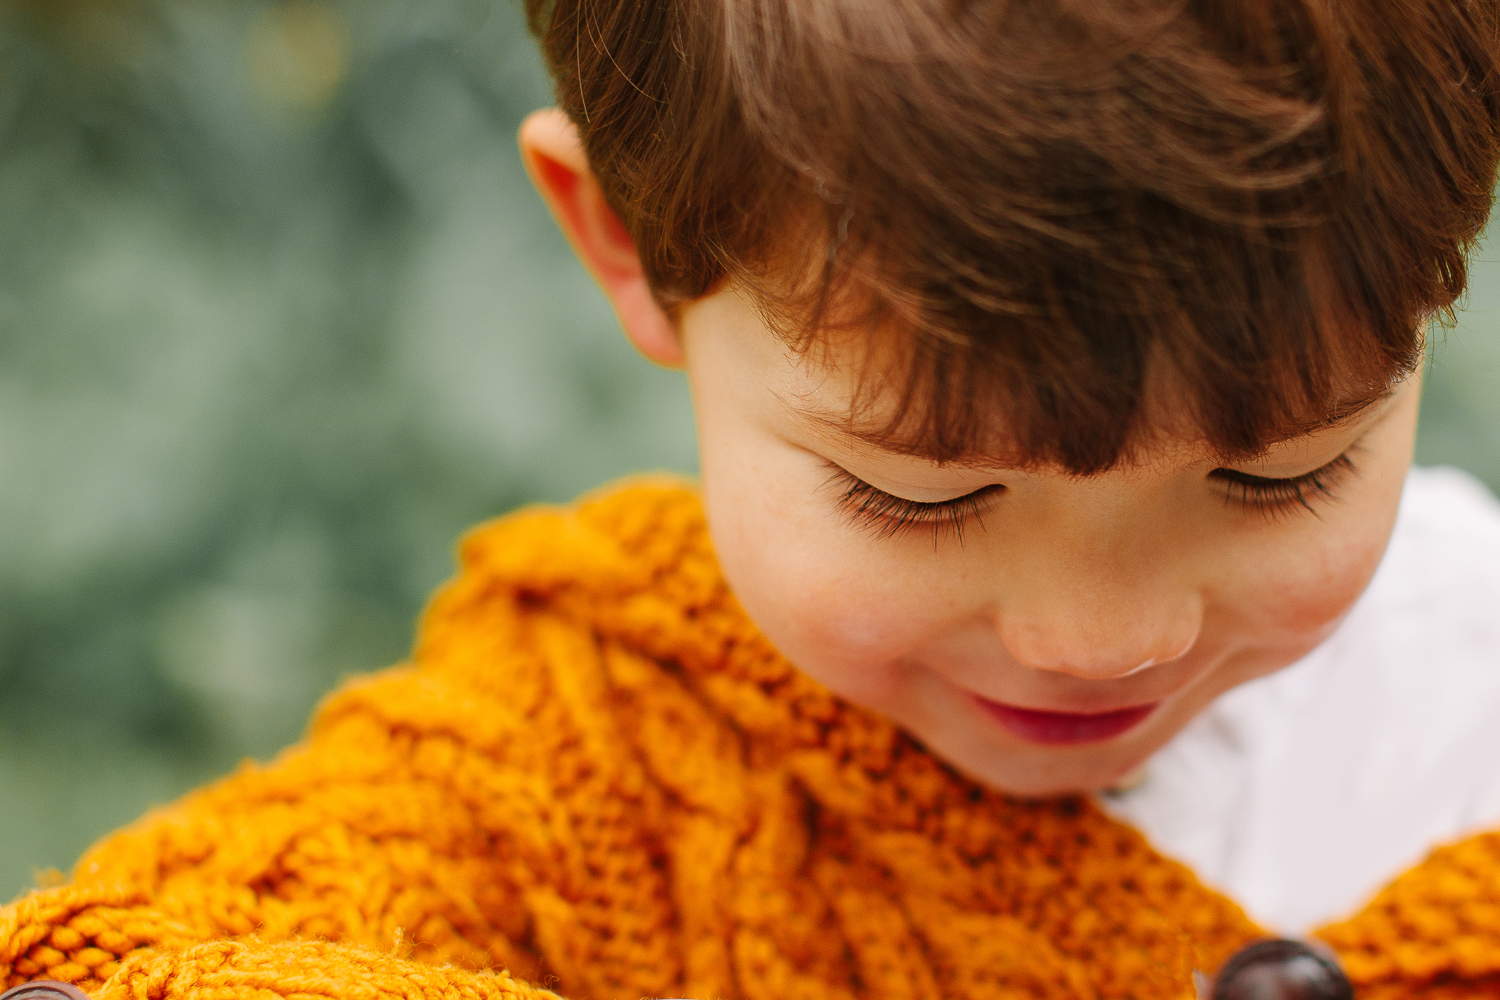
{"x":555,"y":159}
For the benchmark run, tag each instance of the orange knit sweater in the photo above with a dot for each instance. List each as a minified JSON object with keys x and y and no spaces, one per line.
{"x":595,"y":774}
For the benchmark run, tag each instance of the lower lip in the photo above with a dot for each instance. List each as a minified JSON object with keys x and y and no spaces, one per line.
{"x":1065,"y":728}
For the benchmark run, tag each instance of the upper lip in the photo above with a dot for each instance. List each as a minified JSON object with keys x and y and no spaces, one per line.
{"x":1090,"y":710}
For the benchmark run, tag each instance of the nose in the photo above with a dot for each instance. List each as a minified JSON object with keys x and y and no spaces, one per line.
{"x":1100,"y":630}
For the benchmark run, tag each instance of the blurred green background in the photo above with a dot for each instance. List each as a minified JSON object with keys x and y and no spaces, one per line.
{"x":280,"y":316}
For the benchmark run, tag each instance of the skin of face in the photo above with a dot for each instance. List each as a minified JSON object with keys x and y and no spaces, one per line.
{"x":1149,"y":584}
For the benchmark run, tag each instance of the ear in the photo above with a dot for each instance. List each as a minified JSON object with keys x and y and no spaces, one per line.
{"x":554,"y":158}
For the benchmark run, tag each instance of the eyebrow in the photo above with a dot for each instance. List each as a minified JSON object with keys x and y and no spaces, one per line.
{"x":882,"y":439}
{"x":1351,"y":410}
{"x":1347,"y":411}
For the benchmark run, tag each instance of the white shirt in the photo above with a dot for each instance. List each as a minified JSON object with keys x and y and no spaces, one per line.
{"x":1302,"y":793}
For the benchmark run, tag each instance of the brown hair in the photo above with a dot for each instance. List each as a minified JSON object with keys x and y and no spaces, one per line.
{"x":1258,"y":202}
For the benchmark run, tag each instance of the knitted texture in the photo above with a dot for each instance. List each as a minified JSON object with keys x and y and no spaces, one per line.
{"x":596,"y":775}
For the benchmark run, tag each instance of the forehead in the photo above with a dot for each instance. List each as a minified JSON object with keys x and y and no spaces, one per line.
{"x":857,"y":389}
{"x":832,"y":414}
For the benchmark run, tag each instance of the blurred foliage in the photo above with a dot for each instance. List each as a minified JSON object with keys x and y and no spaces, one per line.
{"x":279,"y":317}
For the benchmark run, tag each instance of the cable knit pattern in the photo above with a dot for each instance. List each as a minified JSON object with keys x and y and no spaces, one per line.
{"x":597,"y":776}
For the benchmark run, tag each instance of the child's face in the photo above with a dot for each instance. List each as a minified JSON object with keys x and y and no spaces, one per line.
{"x":1077,"y":623}
{"x":1134,"y":597}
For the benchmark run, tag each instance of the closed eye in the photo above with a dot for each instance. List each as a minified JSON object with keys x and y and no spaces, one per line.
{"x":1274,"y":497}
{"x":887,"y":515}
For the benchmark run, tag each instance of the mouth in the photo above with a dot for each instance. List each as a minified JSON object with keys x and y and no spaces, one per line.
{"x":1065,"y":728}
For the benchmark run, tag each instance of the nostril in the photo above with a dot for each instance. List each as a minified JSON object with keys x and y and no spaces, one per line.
{"x":1152,"y":661}
{"x":1093,"y":660}
{"x":1094,"y":642}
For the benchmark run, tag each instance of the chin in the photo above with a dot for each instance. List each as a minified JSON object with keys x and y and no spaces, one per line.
{"x":1033,"y":772}
{"x":1039,"y":773}
{"x":939,"y":716}
{"x":1033,"y":787}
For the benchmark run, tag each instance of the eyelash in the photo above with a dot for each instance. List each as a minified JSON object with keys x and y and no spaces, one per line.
{"x":889,"y":516}
{"x":870,"y":507}
{"x":1275,"y":497}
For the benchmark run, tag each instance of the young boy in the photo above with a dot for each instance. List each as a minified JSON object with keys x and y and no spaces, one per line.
{"x":1056,"y":368}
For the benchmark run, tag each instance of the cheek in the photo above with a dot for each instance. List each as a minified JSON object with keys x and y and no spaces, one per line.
{"x":1312,"y":585}
{"x":824,"y":600}
{"x":1316,"y":573}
